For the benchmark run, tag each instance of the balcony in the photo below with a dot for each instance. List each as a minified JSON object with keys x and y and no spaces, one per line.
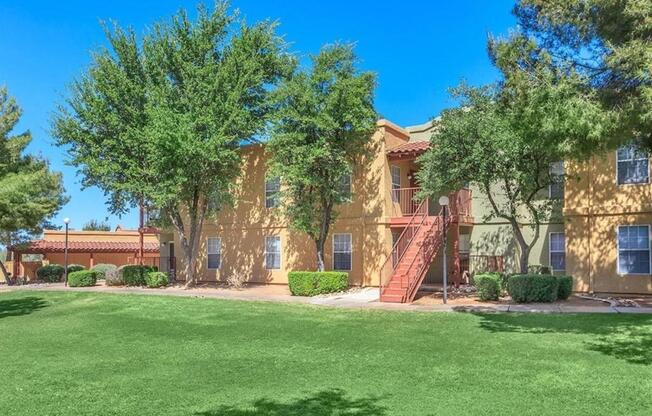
{"x":405,"y":204}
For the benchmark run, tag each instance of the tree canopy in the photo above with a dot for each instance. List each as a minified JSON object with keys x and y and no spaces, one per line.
{"x":321,"y":131}
{"x":96,"y":225}
{"x":607,"y":44}
{"x":30,"y":193}
{"x":161,"y":121}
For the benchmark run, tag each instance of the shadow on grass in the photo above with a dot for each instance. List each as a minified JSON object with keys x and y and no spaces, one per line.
{"x":17,"y":307}
{"x":623,"y":337}
{"x":326,"y":403}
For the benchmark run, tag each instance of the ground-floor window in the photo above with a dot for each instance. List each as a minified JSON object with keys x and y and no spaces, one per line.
{"x":342,"y":252}
{"x":273,"y":252}
{"x":214,"y":249}
{"x":557,"y":251}
{"x":634,"y":249}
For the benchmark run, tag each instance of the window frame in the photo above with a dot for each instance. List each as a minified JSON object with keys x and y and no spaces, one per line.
{"x":561,"y":184}
{"x":276,"y":193}
{"x":208,"y":253}
{"x":649,"y":250}
{"x":349,"y":252}
{"x":647,"y":158}
{"x":550,"y":251}
{"x":280,"y":253}
{"x":395,"y":195}
{"x":348,"y":198}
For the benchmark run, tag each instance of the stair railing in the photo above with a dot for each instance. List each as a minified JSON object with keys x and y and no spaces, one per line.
{"x":402,"y":243}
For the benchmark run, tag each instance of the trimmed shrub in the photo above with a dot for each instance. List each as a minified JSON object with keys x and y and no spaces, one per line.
{"x":488,"y":285}
{"x":75,"y":268}
{"x":82,"y":278}
{"x":156,"y":279}
{"x":134,"y":275}
{"x":538,"y":269}
{"x":102,"y":269}
{"x":51,"y":273}
{"x":316,"y":283}
{"x":525,"y":288}
{"x":565,"y":287}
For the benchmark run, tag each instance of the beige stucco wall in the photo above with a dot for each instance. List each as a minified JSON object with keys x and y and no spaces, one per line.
{"x":243,"y":226}
{"x":595,"y":206}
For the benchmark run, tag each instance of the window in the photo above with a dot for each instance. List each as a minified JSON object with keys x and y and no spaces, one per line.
{"x":396,"y":182}
{"x":345,"y":187}
{"x":556,"y":187}
{"x":634,"y":249}
{"x":272,"y":189}
{"x":214,"y":252}
{"x":273,"y":252}
{"x":341,"y":251}
{"x":632,"y":165}
{"x":557,"y":251}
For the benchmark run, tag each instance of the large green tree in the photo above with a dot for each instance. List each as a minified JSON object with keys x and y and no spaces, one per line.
{"x":30,"y":193}
{"x":607,"y":42}
{"x":321,"y":133}
{"x":160,"y":121}
{"x":505,"y":140}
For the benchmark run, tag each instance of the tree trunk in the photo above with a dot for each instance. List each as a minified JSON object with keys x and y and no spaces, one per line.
{"x":190,"y":240}
{"x":319,"y":244}
{"x":4,"y":271}
{"x":523,"y":246}
{"x":320,"y":241}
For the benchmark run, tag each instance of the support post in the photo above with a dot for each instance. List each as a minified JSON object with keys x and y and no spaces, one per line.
{"x":445,"y":246}
{"x":92,"y":261}
{"x":141,"y":232}
{"x":455,"y":231}
{"x":65,"y":258}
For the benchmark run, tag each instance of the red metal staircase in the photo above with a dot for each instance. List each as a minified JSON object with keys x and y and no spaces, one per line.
{"x":411,"y":256}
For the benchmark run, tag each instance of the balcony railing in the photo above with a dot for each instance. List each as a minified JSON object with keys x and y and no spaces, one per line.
{"x":406,"y":203}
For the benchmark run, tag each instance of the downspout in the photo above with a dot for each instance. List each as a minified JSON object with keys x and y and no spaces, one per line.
{"x":591,"y":283}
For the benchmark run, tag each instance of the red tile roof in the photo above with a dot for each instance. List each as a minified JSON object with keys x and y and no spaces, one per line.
{"x":410,"y":149}
{"x":44,"y":247}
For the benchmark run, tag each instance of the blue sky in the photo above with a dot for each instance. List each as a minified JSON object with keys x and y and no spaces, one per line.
{"x":417,"y":48}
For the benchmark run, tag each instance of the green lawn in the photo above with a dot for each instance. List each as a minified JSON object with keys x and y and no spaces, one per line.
{"x":104,"y":354}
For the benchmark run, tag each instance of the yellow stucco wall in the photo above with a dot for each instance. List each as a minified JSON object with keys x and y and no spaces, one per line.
{"x":244,"y":226}
{"x":595,"y":206}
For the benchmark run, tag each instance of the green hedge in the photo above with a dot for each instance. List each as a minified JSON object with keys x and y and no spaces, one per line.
{"x":532,"y":288}
{"x":488,"y":285}
{"x":82,"y":278}
{"x":75,"y":268}
{"x":156,"y":279}
{"x":50,"y":273}
{"x":538,"y":269}
{"x":316,"y":283}
{"x":134,"y":275}
{"x":565,"y":287}
{"x":102,"y":269}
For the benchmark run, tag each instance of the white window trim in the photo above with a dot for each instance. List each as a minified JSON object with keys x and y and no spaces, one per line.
{"x":563,"y":175}
{"x":395,"y":196}
{"x":632,"y":184}
{"x":267,"y":178}
{"x":618,"y":250}
{"x":280,"y":252}
{"x":333,"y":256}
{"x":219,"y":266}
{"x":349,"y":199}
{"x":550,"y":251}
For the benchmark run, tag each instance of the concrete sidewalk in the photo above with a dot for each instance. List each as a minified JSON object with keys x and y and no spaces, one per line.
{"x":366,"y":298}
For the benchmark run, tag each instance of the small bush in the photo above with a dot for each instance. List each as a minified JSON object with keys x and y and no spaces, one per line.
{"x":134,"y":275}
{"x":102,"y":269}
{"x":488,"y":285}
{"x":565,"y":287}
{"x":82,"y":278}
{"x":113,"y":278}
{"x":156,"y":279}
{"x":316,"y":283}
{"x":51,"y":273}
{"x":75,"y":268}
{"x":525,"y":288}
{"x":538,"y":269}
{"x":236,"y":280}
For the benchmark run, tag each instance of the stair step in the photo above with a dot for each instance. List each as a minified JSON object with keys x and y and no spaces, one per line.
{"x":391,"y":298}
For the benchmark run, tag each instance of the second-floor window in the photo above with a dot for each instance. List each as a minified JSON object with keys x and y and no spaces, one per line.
{"x":272,"y":192}
{"x":345,"y":187}
{"x":634,"y":249}
{"x":556,"y":187}
{"x":632,"y":165}
{"x":557,"y":251}
{"x":214,"y":250}
{"x":396,"y":182}
{"x":273,"y":252}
